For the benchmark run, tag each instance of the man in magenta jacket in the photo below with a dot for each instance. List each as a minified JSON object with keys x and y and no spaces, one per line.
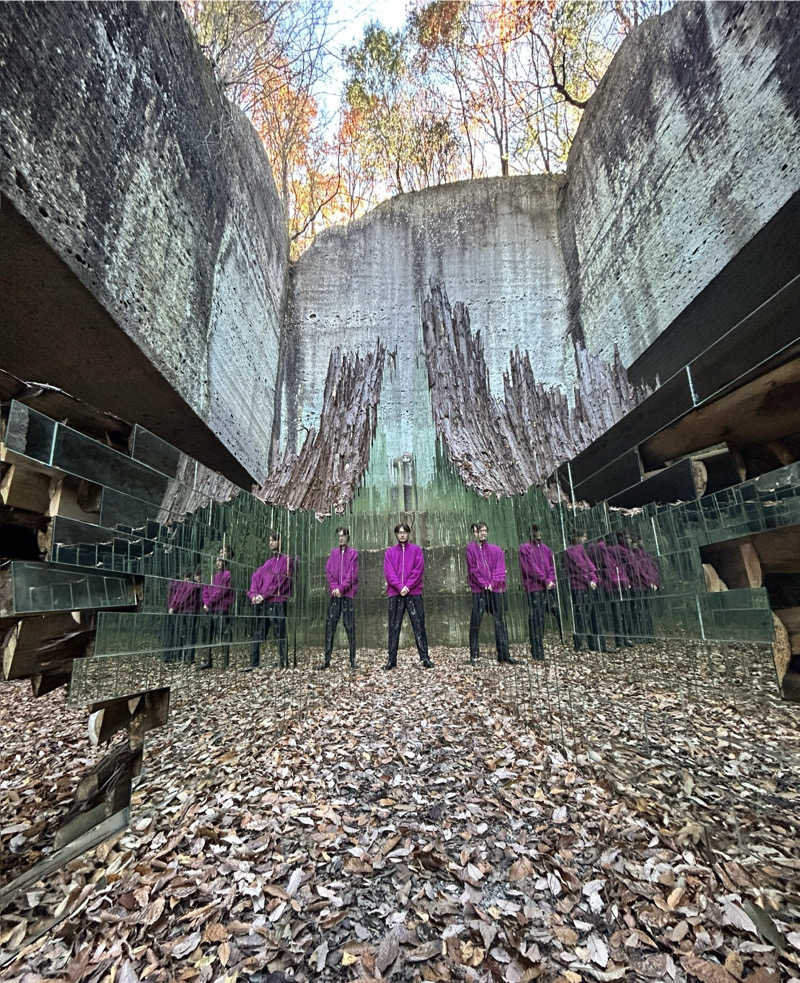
{"x":486,"y":576}
{"x":270,"y":590}
{"x":341,"y":572}
{"x":583,"y":576}
{"x":404,"y":569}
{"x":539,"y":580}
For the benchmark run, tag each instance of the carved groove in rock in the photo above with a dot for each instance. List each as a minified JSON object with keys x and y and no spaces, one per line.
{"x":326,"y":473}
{"x":503,"y":446}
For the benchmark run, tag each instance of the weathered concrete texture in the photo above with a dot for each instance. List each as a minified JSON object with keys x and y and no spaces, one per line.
{"x":494,"y":242}
{"x":688,"y":148}
{"x":118,"y":147}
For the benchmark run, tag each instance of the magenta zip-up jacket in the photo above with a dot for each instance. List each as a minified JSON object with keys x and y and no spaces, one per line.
{"x":486,"y":567}
{"x":404,"y":566}
{"x":648,"y":572}
{"x":536,"y":566}
{"x":273,"y":580}
{"x":625,"y":563}
{"x":612,"y":577}
{"x":580,"y":569}
{"x":219,"y":596}
{"x":342,"y":571}
{"x":185,"y":597}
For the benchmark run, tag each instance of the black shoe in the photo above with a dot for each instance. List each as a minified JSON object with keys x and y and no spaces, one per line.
{"x":509,"y":661}
{"x":473,"y":661}
{"x":352,"y":663}
{"x":325,"y":665}
{"x":390,"y":665}
{"x":427,"y":664}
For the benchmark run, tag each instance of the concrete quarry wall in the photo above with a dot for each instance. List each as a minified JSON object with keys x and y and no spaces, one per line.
{"x":119,"y":148}
{"x":494,"y":243}
{"x":688,"y":148}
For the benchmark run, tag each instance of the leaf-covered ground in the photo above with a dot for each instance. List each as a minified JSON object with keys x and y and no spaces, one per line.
{"x":595,"y":821}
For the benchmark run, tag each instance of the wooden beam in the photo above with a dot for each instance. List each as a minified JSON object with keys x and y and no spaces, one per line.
{"x":680,"y":483}
{"x":146,"y":710}
{"x":46,"y":682}
{"x":24,"y":488}
{"x":781,"y":650}
{"x":737,"y":563}
{"x":714,"y":583}
{"x":74,"y":498}
{"x":45,"y":643}
{"x":764,"y":410}
{"x":790,"y":619}
{"x":779,"y":549}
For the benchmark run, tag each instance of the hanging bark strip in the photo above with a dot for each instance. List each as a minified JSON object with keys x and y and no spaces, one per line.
{"x":324,"y":476}
{"x":503,"y":446}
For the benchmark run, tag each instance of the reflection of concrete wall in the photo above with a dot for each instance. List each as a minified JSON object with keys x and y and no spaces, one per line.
{"x":118,"y":146}
{"x":493,"y":242}
{"x":689,"y":146}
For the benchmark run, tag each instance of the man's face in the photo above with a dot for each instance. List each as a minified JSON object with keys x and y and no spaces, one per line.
{"x":402,"y":535}
{"x":220,"y":563}
{"x":273,"y":544}
{"x":343,"y":538}
{"x":483,"y":534}
{"x":537,"y":537}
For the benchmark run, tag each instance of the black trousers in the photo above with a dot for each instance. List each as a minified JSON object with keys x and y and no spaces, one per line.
{"x":493,"y":604}
{"x":537,"y":604}
{"x":398,"y":606}
{"x":586,"y":612}
{"x":340,"y":607}
{"x":618,"y":612}
{"x":643,"y":615}
{"x":273,"y":617}
{"x":179,"y":635}
{"x":218,"y":630}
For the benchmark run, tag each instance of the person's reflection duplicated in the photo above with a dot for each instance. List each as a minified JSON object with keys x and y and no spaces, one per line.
{"x":184,"y":602}
{"x":218,"y":599}
{"x":341,"y":572}
{"x":270,"y":590}
{"x":539,"y":580}
{"x":486,"y":578}
{"x":582,"y":575}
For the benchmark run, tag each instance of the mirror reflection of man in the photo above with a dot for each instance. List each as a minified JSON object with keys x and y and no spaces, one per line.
{"x":404,"y":571}
{"x":486,"y":576}
{"x":539,"y":580}
{"x":270,"y":590}
{"x":341,"y":572}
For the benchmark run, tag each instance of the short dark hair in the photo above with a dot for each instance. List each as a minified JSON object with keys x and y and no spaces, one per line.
{"x":274,"y":534}
{"x":575,"y":535}
{"x":481,"y":525}
{"x":343,"y":530}
{"x":535,"y":528}
{"x":402,"y":525}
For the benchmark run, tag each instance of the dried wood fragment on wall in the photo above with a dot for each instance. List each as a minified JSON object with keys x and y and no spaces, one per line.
{"x":326,"y":473}
{"x":502,"y":446}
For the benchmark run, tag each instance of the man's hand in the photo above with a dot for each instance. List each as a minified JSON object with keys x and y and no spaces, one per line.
{"x":593,"y":584}
{"x":337,"y":593}
{"x":489,"y":588}
{"x":403,"y":592}
{"x":653,"y":587}
{"x":171,"y":611}
{"x":550,"y":585}
{"x":258,"y":599}
{"x":205,"y":607}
